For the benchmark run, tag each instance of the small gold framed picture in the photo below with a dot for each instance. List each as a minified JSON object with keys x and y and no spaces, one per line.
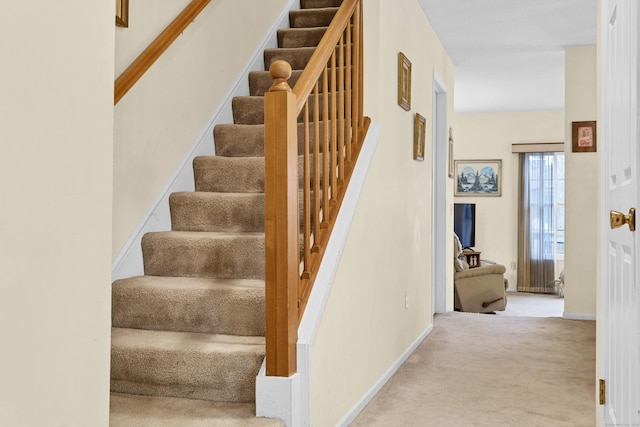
{"x":122,"y":13}
{"x":451,"y":167}
{"x":419,"y":132}
{"x":404,"y":82}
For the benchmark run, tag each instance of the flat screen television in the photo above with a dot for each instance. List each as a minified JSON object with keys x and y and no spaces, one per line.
{"x":464,"y":223}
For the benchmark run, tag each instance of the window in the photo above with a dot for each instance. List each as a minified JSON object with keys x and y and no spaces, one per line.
{"x":546,"y":203}
{"x":541,"y":220}
{"x":559,"y":204}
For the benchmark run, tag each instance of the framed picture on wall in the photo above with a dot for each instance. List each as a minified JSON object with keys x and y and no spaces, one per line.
{"x":419,"y":131}
{"x":583,"y":137}
{"x":478,"y":178}
{"x":451,"y":166}
{"x":122,"y":13}
{"x":404,"y":82}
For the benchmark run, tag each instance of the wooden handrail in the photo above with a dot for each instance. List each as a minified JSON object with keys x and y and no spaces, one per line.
{"x":329,"y":95}
{"x":143,"y":62}
{"x":323,"y":52}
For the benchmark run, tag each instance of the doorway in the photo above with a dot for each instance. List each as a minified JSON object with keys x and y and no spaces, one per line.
{"x":439,"y":155}
{"x":541,"y":233}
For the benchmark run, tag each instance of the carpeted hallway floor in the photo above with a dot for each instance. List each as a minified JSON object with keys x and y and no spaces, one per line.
{"x":486,"y":370}
{"x":533,"y":305}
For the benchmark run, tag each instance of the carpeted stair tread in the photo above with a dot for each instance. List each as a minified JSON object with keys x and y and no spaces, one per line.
{"x":232,"y":140}
{"x":213,"y":211}
{"x":185,"y":304}
{"x":296,"y":57}
{"x":204,"y":254}
{"x":229,"y":174}
{"x":307,"y":18}
{"x":310,"y":4}
{"x":185,"y":364}
{"x":130,"y":410}
{"x":300,"y":37}
{"x":249,"y":110}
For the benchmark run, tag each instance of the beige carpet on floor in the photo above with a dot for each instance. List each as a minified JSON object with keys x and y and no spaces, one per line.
{"x":533,"y":305}
{"x":486,"y":370}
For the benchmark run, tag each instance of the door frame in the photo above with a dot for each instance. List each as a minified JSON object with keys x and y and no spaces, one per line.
{"x":439,"y":153}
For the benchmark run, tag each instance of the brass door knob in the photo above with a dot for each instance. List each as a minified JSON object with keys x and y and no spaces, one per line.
{"x":618,"y":219}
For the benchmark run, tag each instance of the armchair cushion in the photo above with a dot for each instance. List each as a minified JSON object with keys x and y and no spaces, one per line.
{"x":481,"y":271}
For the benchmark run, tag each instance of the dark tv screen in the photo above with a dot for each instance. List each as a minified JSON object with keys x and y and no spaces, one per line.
{"x":464,"y":223}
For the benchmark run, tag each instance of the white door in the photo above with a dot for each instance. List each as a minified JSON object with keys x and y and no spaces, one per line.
{"x":620,"y":303}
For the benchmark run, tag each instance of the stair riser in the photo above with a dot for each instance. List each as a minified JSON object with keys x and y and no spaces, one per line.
{"x":220,"y":256}
{"x":249,"y":110}
{"x":210,"y":174}
{"x":218,"y":310}
{"x":248,"y":141}
{"x":203,"y":211}
{"x":222,"y":212}
{"x":310,"y":4}
{"x":260,"y":81}
{"x":296,"y":57}
{"x":227,"y":377}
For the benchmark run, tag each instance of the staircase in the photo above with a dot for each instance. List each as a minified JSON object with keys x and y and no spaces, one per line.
{"x":188,"y":336}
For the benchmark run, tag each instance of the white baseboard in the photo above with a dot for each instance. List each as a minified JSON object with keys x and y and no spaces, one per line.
{"x":128,"y":261}
{"x":362,"y":403}
{"x":575,"y":316}
{"x":278,"y":397}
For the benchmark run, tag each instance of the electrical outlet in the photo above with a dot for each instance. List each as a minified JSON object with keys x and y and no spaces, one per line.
{"x":513,"y":265}
{"x":406,"y":300}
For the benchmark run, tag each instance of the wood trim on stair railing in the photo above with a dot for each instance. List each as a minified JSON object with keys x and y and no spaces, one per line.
{"x":329,"y":94}
{"x":143,"y":62}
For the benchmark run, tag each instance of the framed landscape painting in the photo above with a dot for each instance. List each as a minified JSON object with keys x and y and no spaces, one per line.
{"x":478,"y":178}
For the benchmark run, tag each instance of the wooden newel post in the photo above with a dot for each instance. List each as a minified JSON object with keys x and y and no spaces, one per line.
{"x":282,"y":246}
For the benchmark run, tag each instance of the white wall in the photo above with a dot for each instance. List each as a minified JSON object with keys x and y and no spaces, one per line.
{"x":366,"y":326}
{"x":163,"y":115}
{"x":490,"y":136}
{"x":56,"y":114}
{"x":582,"y":188}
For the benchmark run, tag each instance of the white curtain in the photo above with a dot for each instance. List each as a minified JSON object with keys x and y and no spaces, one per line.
{"x":536,"y":234}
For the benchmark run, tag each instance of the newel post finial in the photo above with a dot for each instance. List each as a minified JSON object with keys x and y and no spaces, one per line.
{"x":280,"y":72}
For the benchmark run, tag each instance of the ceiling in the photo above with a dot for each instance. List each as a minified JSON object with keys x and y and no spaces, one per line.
{"x":509,"y":54}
